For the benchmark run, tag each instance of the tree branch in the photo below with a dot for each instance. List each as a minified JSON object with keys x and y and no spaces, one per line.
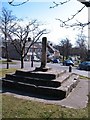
{"x":78,"y":24}
{"x":35,"y":39}
{"x":85,"y":2}
{"x":11,"y":3}
{"x":60,"y":3}
{"x":64,"y":23}
{"x":73,"y":16}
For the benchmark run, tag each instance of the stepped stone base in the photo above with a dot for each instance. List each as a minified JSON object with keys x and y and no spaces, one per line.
{"x":42,"y":69}
{"x":53,"y":83}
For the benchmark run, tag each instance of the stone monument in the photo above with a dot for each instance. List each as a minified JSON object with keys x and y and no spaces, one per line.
{"x":44,"y":52}
{"x":43,"y":66}
{"x":43,"y":81}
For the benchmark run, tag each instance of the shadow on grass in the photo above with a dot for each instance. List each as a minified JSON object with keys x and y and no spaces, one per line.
{"x":12,"y":91}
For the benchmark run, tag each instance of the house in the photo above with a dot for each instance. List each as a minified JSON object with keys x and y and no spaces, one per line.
{"x":12,"y":53}
{"x":35,"y":50}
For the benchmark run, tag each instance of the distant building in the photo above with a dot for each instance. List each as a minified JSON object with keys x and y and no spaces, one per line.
{"x":12,"y":53}
{"x":35,"y":49}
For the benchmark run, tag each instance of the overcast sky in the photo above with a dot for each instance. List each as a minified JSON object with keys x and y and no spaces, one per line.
{"x":39,"y":9}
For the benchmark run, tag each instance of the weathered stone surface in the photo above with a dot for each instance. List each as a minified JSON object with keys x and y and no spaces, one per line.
{"x":43,"y":66}
{"x":48,"y":75}
{"x":44,"y":51}
{"x":52,"y":84}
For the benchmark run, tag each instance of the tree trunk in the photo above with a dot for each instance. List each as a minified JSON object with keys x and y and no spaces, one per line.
{"x":22,"y":62}
{"x":6,"y":45}
{"x":63,"y":56}
{"x":67,"y":53}
{"x":7,"y":65}
{"x":7,"y":58}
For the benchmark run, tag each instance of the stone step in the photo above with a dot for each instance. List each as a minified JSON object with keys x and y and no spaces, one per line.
{"x":34,"y":81}
{"x":63,"y":77}
{"x":69,"y":84}
{"x":18,"y":86}
{"x":66,"y":87}
{"x":53,"y":83}
{"x":59,"y":92}
{"x":51,"y":74}
{"x":32,"y":89}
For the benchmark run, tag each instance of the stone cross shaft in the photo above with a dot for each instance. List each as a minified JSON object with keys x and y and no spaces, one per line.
{"x":44,"y":52}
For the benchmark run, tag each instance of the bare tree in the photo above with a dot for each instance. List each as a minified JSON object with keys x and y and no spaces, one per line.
{"x":82,"y":45}
{"x":27,"y":34}
{"x":7,"y":23}
{"x":78,"y":24}
{"x":65,"y":48}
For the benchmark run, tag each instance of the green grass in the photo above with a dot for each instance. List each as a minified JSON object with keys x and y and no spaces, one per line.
{"x":83,"y":77}
{"x":5,"y":71}
{"x":4,"y":62}
{"x":20,"y":108}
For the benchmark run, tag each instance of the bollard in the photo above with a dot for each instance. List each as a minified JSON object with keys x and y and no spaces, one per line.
{"x":31,"y":63}
{"x":70,"y":68}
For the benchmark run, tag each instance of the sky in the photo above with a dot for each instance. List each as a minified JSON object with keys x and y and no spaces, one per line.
{"x":40,"y":10}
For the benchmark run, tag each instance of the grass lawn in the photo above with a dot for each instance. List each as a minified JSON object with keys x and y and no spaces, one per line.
{"x":83,"y":77}
{"x":4,"y":71}
{"x":13,"y":107}
{"x":20,"y":108}
{"x":4,"y":62}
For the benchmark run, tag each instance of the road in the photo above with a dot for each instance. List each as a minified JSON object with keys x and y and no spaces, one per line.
{"x":27,"y":65}
{"x":74,"y":69}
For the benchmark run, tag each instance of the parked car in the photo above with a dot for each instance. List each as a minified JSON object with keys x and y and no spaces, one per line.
{"x":68,"y":62}
{"x":0,"y":58}
{"x":84,"y":65}
{"x":56,"y":61}
{"x":26,"y":59}
{"x":36,"y":59}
